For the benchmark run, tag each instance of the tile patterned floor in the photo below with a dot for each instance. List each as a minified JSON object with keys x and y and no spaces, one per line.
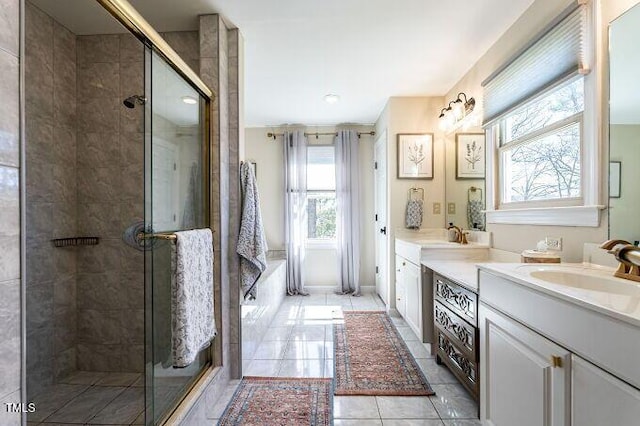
{"x":299,"y":343}
{"x":92,"y":398}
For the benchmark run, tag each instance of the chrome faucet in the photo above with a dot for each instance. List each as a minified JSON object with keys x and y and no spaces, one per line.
{"x":629,"y":257}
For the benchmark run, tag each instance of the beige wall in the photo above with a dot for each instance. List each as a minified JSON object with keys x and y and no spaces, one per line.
{"x":625,"y":147}
{"x":411,"y":115}
{"x":321,"y":265}
{"x":517,"y":237}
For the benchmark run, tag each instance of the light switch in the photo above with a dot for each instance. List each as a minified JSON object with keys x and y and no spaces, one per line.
{"x":451,"y":208}
{"x":436,"y":208}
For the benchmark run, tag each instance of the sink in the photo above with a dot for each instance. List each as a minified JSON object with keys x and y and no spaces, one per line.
{"x":583,"y":278}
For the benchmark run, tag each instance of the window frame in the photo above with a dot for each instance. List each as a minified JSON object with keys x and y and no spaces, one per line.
{"x":320,"y":243}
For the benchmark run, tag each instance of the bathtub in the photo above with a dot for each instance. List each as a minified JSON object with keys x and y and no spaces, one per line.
{"x":257,"y":315}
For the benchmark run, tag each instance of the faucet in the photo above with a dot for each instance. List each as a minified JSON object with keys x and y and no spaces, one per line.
{"x":629,"y":257}
{"x":461,"y":237}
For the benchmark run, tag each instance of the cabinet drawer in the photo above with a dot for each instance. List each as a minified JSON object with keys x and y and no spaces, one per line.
{"x":457,"y":330}
{"x":464,"y":368}
{"x":460,"y":300}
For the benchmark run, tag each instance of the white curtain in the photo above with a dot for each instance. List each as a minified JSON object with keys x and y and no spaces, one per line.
{"x":295,"y":202}
{"x":348,"y":212}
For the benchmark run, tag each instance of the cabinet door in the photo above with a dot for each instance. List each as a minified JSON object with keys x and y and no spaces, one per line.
{"x":413,"y":295}
{"x":524,"y":377}
{"x":598,"y":398}
{"x":400,"y":290}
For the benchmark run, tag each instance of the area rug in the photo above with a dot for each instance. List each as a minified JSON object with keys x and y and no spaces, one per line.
{"x":268,"y":401}
{"x":370,"y":358}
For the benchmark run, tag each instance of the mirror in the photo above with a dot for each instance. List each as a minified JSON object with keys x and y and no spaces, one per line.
{"x":624,"y":126}
{"x":465,"y":194}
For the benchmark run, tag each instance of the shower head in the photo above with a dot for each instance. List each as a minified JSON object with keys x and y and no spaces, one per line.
{"x":131,"y":101}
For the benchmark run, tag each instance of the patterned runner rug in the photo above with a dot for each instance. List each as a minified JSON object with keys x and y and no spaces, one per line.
{"x":268,"y":401}
{"x":370,"y":358}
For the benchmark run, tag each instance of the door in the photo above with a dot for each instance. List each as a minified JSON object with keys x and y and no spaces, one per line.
{"x":525,"y":378}
{"x":411,"y":277}
{"x":176,"y":176}
{"x":598,"y":398}
{"x":381,"y":232}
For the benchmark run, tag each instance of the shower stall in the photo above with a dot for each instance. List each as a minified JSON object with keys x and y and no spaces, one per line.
{"x":117,"y":149}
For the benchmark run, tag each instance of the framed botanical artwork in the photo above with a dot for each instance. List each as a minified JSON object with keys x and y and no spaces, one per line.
{"x":415,"y":156}
{"x":470,"y":156}
{"x":615,"y":178}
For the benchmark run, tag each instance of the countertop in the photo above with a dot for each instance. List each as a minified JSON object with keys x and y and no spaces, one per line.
{"x":623,"y":303}
{"x":463,"y":272}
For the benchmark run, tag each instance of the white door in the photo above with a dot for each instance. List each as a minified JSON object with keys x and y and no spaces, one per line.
{"x":598,"y":398}
{"x":381,"y":232}
{"x":413,"y":297}
{"x":525,"y":378}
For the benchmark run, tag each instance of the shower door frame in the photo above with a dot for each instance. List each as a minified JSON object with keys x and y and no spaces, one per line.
{"x":126,"y":14}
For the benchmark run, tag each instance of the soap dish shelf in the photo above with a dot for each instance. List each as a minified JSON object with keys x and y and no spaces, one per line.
{"x":76,"y":241}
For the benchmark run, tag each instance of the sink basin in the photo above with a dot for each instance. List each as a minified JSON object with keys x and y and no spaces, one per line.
{"x":587,"y":280}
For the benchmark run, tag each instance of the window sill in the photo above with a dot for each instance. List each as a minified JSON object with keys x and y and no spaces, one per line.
{"x":321,"y":245}
{"x":587,"y":216}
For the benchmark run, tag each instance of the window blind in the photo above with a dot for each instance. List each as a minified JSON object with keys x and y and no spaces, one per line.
{"x":554,"y":54}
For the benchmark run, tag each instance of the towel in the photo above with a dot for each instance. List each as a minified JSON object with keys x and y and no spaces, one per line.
{"x":252,"y":244}
{"x":413,"y":217}
{"x":475,"y":215}
{"x":192,"y":321}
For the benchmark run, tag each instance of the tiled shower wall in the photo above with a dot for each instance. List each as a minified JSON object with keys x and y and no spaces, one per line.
{"x":9,"y":209}
{"x":50,"y":91}
{"x":110,"y":198}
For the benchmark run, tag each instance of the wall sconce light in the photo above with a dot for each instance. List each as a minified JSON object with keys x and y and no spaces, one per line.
{"x":454,"y":115}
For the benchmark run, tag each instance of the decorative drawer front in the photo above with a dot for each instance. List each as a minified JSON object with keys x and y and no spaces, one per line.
{"x":459,"y":331}
{"x":460,"y":300}
{"x":467,"y":369}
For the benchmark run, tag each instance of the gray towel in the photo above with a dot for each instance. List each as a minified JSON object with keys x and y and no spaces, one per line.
{"x":413,"y":217}
{"x":252,"y":244}
{"x":475,"y":215}
{"x":192,"y":320}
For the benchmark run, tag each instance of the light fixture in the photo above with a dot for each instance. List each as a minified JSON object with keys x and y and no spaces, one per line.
{"x":456,"y":113}
{"x":189,"y":100}
{"x":331,"y":98}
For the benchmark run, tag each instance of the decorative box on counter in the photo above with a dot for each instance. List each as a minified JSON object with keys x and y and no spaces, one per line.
{"x":536,"y":256}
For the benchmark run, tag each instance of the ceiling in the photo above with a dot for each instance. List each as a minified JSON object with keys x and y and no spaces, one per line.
{"x":296,"y":51}
{"x":624,"y":60}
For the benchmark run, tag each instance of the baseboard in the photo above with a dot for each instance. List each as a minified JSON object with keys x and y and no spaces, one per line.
{"x":327,"y":289}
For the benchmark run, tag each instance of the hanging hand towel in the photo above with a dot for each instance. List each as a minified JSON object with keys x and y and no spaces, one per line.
{"x":252,"y":244}
{"x":413,"y":217}
{"x":192,"y":320}
{"x":475,"y":215}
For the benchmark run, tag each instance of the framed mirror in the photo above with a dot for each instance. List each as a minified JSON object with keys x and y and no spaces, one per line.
{"x":624,"y":126}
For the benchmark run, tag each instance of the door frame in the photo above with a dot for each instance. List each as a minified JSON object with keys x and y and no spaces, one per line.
{"x":381,"y":258}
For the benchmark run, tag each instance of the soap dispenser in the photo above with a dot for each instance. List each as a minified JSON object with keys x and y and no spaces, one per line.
{"x":452,"y":234}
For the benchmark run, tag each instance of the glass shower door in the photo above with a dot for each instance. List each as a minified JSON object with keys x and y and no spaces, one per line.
{"x":176,"y":198}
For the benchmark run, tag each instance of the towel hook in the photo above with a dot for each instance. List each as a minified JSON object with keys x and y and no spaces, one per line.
{"x":412,"y":191}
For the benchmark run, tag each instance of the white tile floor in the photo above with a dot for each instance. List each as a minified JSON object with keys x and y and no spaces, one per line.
{"x":299,"y":343}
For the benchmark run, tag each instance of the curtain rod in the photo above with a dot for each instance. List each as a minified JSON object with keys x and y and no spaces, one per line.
{"x":272,"y":135}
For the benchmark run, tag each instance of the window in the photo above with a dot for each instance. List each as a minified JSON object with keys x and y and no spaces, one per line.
{"x":541,"y":147}
{"x":321,"y":194}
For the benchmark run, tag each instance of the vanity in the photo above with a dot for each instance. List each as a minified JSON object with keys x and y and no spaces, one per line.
{"x":559,"y":345}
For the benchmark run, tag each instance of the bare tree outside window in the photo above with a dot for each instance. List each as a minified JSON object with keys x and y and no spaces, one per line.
{"x":539,"y":164}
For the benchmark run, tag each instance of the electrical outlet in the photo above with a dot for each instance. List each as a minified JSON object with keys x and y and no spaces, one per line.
{"x":554,"y":243}
{"x":451,"y":208}
{"x":436,"y":208}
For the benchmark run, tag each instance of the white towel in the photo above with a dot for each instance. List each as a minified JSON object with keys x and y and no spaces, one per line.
{"x":413,"y":216}
{"x":192,"y":320}
{"x":252,"y":243}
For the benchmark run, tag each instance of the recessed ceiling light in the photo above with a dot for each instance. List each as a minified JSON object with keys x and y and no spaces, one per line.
{"x":331,"y":98}
{"x":190,"y":100}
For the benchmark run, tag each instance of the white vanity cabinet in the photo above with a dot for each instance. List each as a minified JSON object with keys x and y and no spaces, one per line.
{"x":409,"y":293}
{"x":525,"y":377}
{"x":528,"y":376}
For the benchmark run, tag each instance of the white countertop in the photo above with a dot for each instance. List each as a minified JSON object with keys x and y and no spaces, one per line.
{"x":464,"y":272}
{"x":623,"y":305}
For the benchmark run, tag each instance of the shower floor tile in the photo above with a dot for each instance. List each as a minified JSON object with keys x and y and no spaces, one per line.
{"x":103,"y":398}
